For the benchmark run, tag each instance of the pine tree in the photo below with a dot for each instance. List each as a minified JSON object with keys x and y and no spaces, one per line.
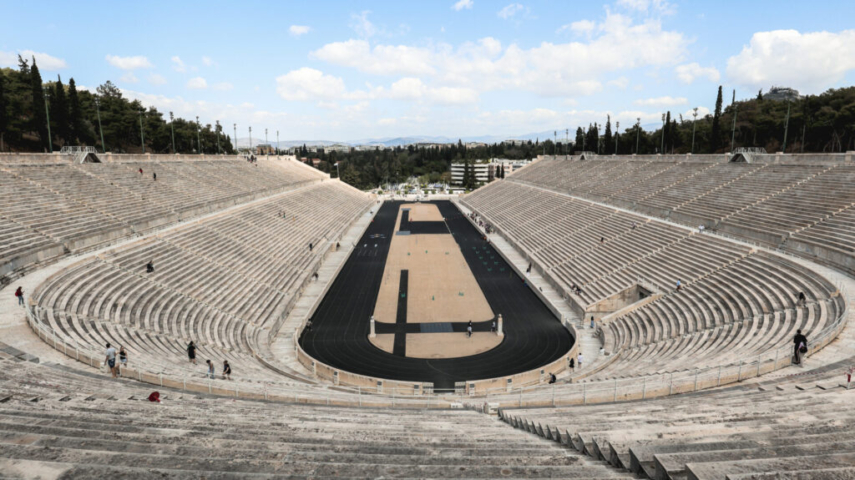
{"x":75,"y":114}
{"x":23,"y":65}
{"x":760,"y":95}
{"x":607,"y":138}
{"x":716,"y":124}
{"x":59,"y":112}
{"x":4,"y":115}
{"x":580,"y":138}
{"x":39,"y":114}
{"x":669,"y":133}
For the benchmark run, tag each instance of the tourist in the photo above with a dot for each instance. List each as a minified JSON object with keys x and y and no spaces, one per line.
{"x":123,"y":359}
{"x":337,"y":246}
{"x":579,"y":360}
{"x":633,"y":225}
{"x":679,"y":284}
{"x":191,"y":352}
{"x":20,"y":294}
{"x":154,"y":397}
{"x":141,"y":172}
{"x":469,"y":331}
{"x":227,"y":370}
{"x":211,"y":372}
{"x":700,"y":229}
{"x":528,"y":270}
{"x":110,"y":359}
{"x":602,"y":240}
{"x":311,"y":246}
{"x":802,"y":300}
{"x":149,"y":267}
{"x":572,"y":363}
{"x":154,"y":176}
{"x":493,"y":327}
{"x":799,"y":347}
{"x":552,"y":378}
{"x":592,"y":321}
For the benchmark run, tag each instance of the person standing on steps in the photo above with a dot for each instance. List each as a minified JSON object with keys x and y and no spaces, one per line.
{"x":311,"y":246}
{"x":528,"y":270}
{"x":802,"y":300}
{"x":20,"y":294}
{"x":227,"y":370}
{"x":141,"y":172}
{"x":679,"y":284}
{"x":469,"y":331}
{"x":191,"y":352}
{"x":579,"y":360}
{"x":154,"y":176}
{"x":211,"y":372}
{"x":592,"y":321}
{"x":552,"y":378}
{"x":123,"y":359}
{"x":799,"y":347}
{"x":110,"y":359}
{"x":149,"y":267}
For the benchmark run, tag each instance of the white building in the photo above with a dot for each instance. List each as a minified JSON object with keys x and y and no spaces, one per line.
{"x":484,"y":172}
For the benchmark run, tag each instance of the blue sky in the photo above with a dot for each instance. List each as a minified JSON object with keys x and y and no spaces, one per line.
{"x":355,"y":70}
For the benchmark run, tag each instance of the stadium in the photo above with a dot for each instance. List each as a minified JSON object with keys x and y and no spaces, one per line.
{"x":411,"y":240}
{"x":346,"y":316}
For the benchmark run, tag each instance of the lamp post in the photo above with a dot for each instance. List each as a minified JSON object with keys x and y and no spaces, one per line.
{"x":172,"y":126}
{"x":267,"y":150}
{"x":555,"y":142}
{"x":617,"y":135}
{"x":217,"y":133}
{"x":277,"y":143}
{"x":47,"y":113}
{"x":142,"y":131}
{"x":786,"y":127}
{"x":695,"y":115}
{"x":250,"y":139}
{"x":637,"y":132}
{"x":235,"y":145}
{"x":101,"y":130}
{"x":663,"y":135}
{"x":198,"y":135}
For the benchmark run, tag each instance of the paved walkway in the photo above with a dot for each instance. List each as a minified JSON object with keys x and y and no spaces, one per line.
{"x":283,"y":346}
{"x":588,"y":341}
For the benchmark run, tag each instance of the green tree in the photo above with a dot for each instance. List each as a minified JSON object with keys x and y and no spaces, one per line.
{"x":607,"y":137}
{"x":4,"y":111}
{"x":715,"y":135}
{"x":39,"y":113}
{"x":59,"y":112}
{"x":75,"y":114}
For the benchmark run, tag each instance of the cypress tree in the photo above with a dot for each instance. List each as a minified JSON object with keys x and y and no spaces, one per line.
{"x":607,"y":137}
{"x":716,"y":124}
{"x":39,"y":124}
{"x":59,"y":112}
{"x":4,"y":115}
{"x":669,"y":133}
{"x":75,"y":114}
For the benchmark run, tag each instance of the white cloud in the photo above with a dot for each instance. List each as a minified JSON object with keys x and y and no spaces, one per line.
{"x":222,"y":86}
{"x":689,"y":72}
{"x":129,"y":63}
{"x":645,"y":6}
{"x":197,"y":83}
{"x":207,"y":61}
{"x":414,"y":89}
{"x":662,"y":101}
{"x":581,"y":27}
{"x":621,"y":83}
{"x":809,"y":62}
{"x":461,"y":4}
{"x":309,"y":84}
{"x":178,"y":64}
{"x":573,"y":69}
{"x":297,"y":30}
{"x":381,"y":60}
{"x":702,"y":112}
{"x":129,"y":77}
{"x":43,"y":60}
{"x":510,"y":10}
{"x":156,"y":79}
{"x":361,"y":25}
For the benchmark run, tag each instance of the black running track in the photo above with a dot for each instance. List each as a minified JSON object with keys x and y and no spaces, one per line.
{"x":339,"y":337}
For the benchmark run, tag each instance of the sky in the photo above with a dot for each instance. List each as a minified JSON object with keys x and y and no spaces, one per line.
{"x":352,"y":70}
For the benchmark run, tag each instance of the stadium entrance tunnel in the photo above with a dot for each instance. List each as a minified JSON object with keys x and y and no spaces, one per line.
{"x":441,"y":278}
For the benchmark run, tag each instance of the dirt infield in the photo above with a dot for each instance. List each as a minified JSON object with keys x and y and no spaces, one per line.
{"x":441,"y":288}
